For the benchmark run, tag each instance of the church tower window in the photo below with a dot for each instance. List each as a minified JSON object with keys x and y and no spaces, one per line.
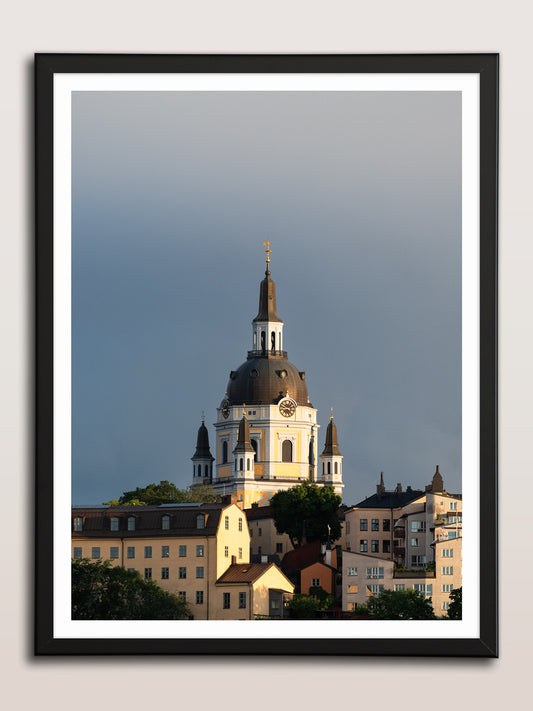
{"x":286,"y":451}
{"x":224,"y":452}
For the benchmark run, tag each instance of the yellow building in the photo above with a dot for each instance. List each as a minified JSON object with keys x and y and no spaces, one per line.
{"x":185,"y":548}
{"x":266,"y":427}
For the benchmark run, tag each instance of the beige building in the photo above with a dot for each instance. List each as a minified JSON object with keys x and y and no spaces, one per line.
{"x":448,"y":569}
{"x":264,"y":539}
{"x":185,"y":548}
{"x":401,"y":524}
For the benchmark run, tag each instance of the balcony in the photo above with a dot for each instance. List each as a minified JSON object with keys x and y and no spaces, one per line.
{"x":266,"y":354}
{"x":399,"y":533}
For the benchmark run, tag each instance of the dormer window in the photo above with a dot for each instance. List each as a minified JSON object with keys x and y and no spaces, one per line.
{"x":165,"y":523}
{"x":114,"y":523}
{"x":200,"y":521}
{"x":131,"y":523}
{"x":78,"y":523}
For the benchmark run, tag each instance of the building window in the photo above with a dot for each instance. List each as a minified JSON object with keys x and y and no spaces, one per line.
{"x":347,"y":527}
{"x":77,"y":552}
{"x":414,"y":541}
{"x":286,"y":451}
{"x":279,"y":547}
{"x":336,"y":468}
{"x":240,"y":524}
{"x":200,"y":521}
{"x":453,"y":505}
{"x":241,"y":463}
{"x":418,"y":560}
{"x":240,"y":553}
{"x":315,"y":582}
{"x":351,"y":571}
{"x":183,"y":551}
{"x":258,"y":550}
{"x":363,"y":545}
{"x":351,"y":606}
{"x":399,"y":586}
{"x":375,"y":524}
{"x":375,"y":546}
{"x":375,"y":572}
{"x":226,"y":523}
{"x":182,"y":572}
{"x":259,"y":531}
{"x":386,"y":524}
{"x":95,"y":552}
{"x":131,"y":570}
{"x":242,"y":600}
{"x":351,"y":589}
{"x":226,"y":551}
{"x":200,"y":571}
{"x":363,"y":524}
{"x":254,"y":445}
{"x":165,"y":523}
{"x":226,"y":603}
{"x":452,"y":534}
{"x":329,"y":467}
{"x":78,"y":523}
{"x":199,"y":551}
{"x":447,"y":570}
{"x":386,"y":546}
{"x":447,"y":552}
{"x":374,"y":589}
{"x":114,"y":523}
{"x":147,"y":551}
{"x":113,"y":552}
{"x":424,"y":589}
{"x":131,"y":523}
{"x":164,"y":573}
{"x":147,"y":573}
{"x":131,"y":552}
{"x":418,"y":526}
{"x":251,"y":533}
{"x":165,"y":551}
{"x":199,"y":597}
{"x":445,"y":605}
{"x":182,"y":595}
{"x":447,"y":588}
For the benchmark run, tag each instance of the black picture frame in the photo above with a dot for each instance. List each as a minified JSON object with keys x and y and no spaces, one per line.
{"x":47,"y":67}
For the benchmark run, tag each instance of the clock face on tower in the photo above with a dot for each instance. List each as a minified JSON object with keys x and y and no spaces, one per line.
{"x":287,"y":408}
{"x":225,"y":409}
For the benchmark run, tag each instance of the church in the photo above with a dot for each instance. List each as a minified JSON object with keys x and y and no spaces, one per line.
{"x":266,"y":427}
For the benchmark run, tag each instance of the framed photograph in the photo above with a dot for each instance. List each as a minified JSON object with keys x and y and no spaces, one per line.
{"x":297,"y":487}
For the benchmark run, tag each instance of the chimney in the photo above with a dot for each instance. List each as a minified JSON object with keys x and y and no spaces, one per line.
{"x":328,"y":553}
{"x":381,"y":486}
{"x":234,"y":560}
{"x":398,"y":488}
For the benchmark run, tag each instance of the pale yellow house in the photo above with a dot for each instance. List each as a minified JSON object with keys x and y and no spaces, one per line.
{"x":185,"y":548}
{"x":255,"y":589}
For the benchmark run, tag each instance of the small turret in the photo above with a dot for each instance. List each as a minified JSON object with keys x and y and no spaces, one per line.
{"x":243,"y":454}
{"x":202,"y":458}
{"x":331,"y":455}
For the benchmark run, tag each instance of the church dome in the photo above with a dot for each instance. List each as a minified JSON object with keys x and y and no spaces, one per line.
{"x":265,"y":381}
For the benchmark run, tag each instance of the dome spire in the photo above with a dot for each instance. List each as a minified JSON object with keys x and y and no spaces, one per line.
{"x":267,"y":295}
{"x":331,"y":447}
{"x":268,"y":251}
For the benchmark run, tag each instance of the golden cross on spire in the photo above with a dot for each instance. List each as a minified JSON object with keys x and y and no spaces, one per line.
{"x":331,"y":416}
{"x":203,"y":416}
{"x":267,"y":250}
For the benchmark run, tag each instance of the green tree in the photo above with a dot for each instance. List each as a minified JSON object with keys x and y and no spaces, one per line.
{"x":103,"y":592}
{"x":400,"y":605}
{"x":309,"y":503}
{"x":166,"y":493}
{"x":325,"y":600}
{"x":455,"y":611}
{"x":303,"y":607}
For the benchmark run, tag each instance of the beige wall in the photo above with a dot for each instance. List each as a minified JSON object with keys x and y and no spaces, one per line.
{"x":263,"y":535}
{"x":448,"y":555}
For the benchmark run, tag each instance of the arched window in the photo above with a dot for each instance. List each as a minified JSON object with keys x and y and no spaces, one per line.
{"x":286,"y":451}
{"x":206,"y":470}
{"x":263,"y":341}
{"x":254,"y":445}
{"x":273,"y":341}
{"x":323,"y":468}
{"x":224,"y":452}
{"x":329,"y":467}
{"x":336,"y":468}
{"x":241,"y":467}
{"x":247,"y":464}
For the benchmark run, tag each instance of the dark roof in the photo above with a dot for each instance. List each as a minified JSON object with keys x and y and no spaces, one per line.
{"x":258,"y":512}
{"x":267,"y":300}
{"x":183,"y":520}
{"x":202,"y":444}
{"x":266,"y":380}
{"x":301,"y":557}
{"x":244,"y":572}
{"x":331,"y":447}
{"x":389,"y":500}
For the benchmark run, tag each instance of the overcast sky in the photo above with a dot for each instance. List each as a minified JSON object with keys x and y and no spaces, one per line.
{"x":173,"y":194}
